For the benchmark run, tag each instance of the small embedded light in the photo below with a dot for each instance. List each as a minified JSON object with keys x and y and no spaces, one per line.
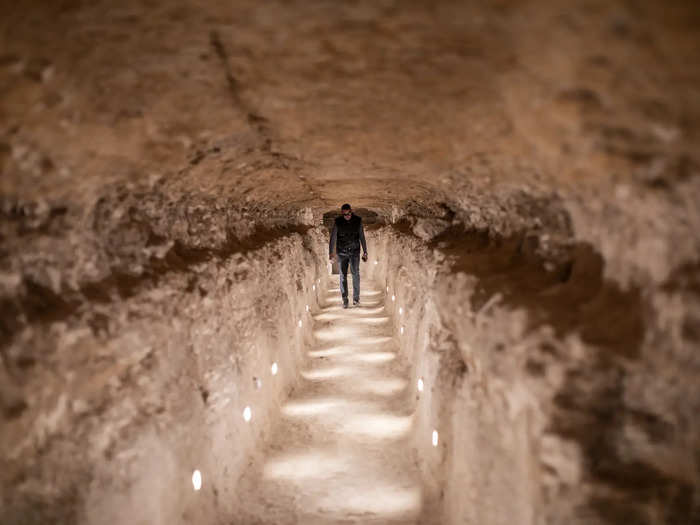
{"x":273,"y":369}
{"x":393,"y":298}
{"x":307,"y":307}
{"x":435,"y":438}
{"x":376,"y":262}
{"x":402,"y":329}
{"x":313,"y":287}
{"x":197,"y":480}
{"x":400,"y":311}
{"x":420,"y":384}
{"x":299,"y":323}
{"x":258,"y":383}
{"x":387,"y":289}
{"x":247,"y":413}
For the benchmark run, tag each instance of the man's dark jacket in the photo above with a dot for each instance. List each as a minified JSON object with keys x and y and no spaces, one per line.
{"x":347,"y":236}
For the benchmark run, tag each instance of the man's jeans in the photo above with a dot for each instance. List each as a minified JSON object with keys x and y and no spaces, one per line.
{"x":354,"y":261}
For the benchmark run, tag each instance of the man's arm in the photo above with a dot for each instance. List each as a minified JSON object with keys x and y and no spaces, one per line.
{"x":362,"y":239}
{"x":334,"y":237}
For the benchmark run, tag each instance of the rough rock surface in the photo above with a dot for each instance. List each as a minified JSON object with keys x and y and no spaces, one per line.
{"x":166,"y":167}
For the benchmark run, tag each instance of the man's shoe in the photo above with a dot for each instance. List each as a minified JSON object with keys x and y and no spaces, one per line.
{"x":356,"y":303}
{"x":345,"y":305}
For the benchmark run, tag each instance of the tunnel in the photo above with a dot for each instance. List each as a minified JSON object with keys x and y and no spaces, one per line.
{"x":173,"y":343}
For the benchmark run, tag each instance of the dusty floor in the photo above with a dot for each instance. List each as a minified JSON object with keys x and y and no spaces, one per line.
{"x":340,"y":452}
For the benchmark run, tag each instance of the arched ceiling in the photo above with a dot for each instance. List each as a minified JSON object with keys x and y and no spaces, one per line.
{"x":310,"y":104}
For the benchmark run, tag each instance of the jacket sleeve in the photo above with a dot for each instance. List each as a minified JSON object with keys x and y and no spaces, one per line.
{"x":362,"y":238}
{"x":334,"y":237}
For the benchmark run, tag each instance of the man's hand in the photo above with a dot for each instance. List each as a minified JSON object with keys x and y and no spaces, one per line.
{"x":364,"y":256}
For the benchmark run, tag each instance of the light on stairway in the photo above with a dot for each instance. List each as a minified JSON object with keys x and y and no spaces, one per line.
{"x":402,"y":330}
{"x":376,"y":426}
{"x":393,"y":298}
{"x":307,"y":307}
{"x":435,"y":438}
{"x":258,"y":383}
{"x":273,"y":369}
{"x":420,"y":384}
{"x":247,"y":413}
{"x":313,"y":287}
{"x":197,"y":480}
{"x":400,"y":311}
{"x":372,"y":357}
{"x":305,"y":465}
{"x":381,"y":387}
{"x":313,"y":407}
{"x":319,"y":374}
{"x":376,"y":261}
{"x":334,"y":350}
{"x":299,"y":323}
{"x":374,"y":321}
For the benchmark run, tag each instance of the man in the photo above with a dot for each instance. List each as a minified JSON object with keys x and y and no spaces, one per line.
{"x":346,"y":238}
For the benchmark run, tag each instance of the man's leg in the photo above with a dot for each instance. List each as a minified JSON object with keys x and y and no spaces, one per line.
{"x":355,"y":269}
{"x":343,"y":261}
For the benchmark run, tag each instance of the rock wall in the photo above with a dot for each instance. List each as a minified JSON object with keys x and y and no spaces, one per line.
{"x":557,"y":395}
{"x":538,"y":164}
{"x":543,"y":378}
{"x":115,"y":390}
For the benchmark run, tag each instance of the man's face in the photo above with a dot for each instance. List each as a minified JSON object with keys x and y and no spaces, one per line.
{"x":347,"y":214}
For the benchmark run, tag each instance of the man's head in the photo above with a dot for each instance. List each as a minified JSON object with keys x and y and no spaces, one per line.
{"x":346,"y":210}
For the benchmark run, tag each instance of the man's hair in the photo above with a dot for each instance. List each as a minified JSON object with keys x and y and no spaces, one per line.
{"x":345,"y":206}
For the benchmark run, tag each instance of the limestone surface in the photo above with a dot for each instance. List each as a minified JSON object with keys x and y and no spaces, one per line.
{"x":529,"y":176}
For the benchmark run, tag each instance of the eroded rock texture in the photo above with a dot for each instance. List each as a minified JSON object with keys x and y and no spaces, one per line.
{"x":532,"y":174}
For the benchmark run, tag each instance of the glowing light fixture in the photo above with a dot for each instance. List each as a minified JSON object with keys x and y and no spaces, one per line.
{"x":273,"y":369}
{"x":313,"y":287}
{"x":435,"y":438}
{"x":247,"y":413}
{"x":387,"y":289}
{"x":420,"y":384}
{"x":393,"y":298}
{"x":402,"y":330}
{"x":299,"y":323}
{"x":258,"y":383}
{"x":307,"y":307}
{"x":376,"y":261}
{"x":400,"y":311}
{"x":197,"y":480}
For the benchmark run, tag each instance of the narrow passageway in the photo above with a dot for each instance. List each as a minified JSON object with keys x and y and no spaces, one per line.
{"x":528,"y":178}
{"x":340,"y":452}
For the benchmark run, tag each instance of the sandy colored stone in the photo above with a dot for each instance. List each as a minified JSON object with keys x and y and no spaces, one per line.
{"x":530,"y":173}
